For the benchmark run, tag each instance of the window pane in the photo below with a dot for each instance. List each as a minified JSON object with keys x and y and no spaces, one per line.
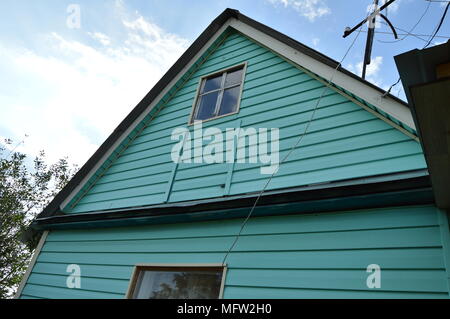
{"x":206,"y":106}
{"x":229,"y":100}
{"x":192,"y":284}
{"x":212,"y":84}
{"x":233,"y":77}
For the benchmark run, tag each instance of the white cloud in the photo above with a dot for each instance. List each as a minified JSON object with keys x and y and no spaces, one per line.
{"x":372,"y":69}
{"x":315,"y":42}
{"x":102,"y":38}
{"x":391,"y":9}
{"x":150,"y":41}
{"x":394,"y":6}
{"x":77,"y":94}
{"x":310,"y":9}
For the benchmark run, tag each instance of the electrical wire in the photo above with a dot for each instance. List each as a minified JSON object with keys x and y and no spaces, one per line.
{"x":413,"y":34}
{"x":390,"y":88}
{"x":293,"y":147}
{"x":412,"y":29}
{"x":428,"y":43}
{"x":439,"y":26}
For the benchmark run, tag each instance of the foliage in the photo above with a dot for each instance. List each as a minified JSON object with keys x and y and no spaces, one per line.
{"x":26,"y":187}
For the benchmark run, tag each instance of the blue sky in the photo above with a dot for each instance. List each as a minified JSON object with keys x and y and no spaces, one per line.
{"x":68,"y":88}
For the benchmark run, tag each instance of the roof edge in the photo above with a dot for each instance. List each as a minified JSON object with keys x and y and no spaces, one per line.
{"x":311,"y":52}
{"x":54,"y":206}
{"x":386,"y":183}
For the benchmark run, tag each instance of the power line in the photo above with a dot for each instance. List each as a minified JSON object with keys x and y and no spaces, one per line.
{"x":428,"y":43}
{"x":390,"y":88}
{"x":413,"y":34}
{"x":415,"y":25}
{"x":349,"y":31}
{"x":439,"y":25}
{"x":292,"y":148}
{"x":371,"y":18}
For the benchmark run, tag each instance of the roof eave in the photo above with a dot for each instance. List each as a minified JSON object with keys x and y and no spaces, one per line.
{"x":303,"y":199}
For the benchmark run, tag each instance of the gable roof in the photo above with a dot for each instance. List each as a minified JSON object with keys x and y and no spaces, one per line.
{"x":315,"y":61}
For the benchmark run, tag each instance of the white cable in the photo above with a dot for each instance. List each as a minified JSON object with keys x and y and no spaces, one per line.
{"x":292,"y":148}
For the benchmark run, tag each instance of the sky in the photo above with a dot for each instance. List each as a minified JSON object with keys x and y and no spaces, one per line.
{"x":66,"y":83}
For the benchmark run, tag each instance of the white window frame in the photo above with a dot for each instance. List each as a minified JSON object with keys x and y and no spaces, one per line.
{"x":222,"y":88}
{"x":155,"y":266}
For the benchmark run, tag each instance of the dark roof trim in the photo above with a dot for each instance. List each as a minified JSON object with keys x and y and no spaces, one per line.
{"x":53,"y":208}
{"x":428,"y":96}
{"x":310,"y":52}
{"x":414,"y":180}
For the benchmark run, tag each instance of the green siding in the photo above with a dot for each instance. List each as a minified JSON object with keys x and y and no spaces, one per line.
{"x":296,"y":256}
{"x":343,"y":141}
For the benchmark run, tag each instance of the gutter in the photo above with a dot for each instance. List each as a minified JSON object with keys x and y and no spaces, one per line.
{"x":407,"y":188}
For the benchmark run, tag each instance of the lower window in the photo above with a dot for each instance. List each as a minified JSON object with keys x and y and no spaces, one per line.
{"x":176,"y":282}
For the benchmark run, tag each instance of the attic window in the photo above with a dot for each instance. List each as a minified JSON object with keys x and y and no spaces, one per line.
{"x":219,"y":94}
{"x":176,"y":282}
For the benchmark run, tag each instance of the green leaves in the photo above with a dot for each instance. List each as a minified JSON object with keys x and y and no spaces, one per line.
{"x":26,"y":187}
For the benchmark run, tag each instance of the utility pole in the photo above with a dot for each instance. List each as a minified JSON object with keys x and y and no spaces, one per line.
{"x":369,"y":40}
{"x":371,"y":32}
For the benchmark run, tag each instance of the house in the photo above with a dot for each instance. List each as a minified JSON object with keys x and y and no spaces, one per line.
{"x":159,"y":212}
{"x":425,"y":76}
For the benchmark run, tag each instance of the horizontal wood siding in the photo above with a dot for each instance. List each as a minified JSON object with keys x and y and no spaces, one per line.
{"x":343,"y":140}
{"x":296,"y":256}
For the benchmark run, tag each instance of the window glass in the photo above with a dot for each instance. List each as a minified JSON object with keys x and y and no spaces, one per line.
{"x":212,"y":84}
{"x":219,"y":95}
{"x":178,"y":284}
{"x":233,"y":77}
{"x":207,"y":106}
{"x":229,"y":100}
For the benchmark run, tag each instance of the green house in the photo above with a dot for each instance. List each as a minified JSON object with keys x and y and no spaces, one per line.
{"x":255,"y":168}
